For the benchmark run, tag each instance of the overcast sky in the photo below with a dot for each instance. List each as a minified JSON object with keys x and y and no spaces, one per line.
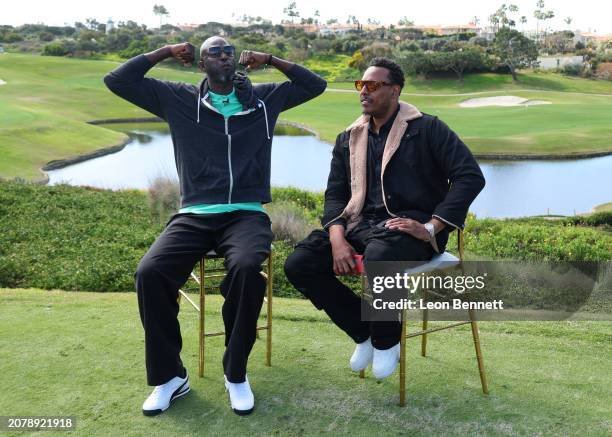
{"x":587,"y":15}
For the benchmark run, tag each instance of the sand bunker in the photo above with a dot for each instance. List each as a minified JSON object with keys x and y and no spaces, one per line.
{"x":2,"y":82}
{"x":501,"y":101}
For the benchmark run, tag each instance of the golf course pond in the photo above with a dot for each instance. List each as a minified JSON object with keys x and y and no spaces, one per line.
{"x":514,"y":188}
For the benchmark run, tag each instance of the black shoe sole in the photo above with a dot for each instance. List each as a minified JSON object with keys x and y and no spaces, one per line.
{"x":177,"y":394}
{"x":243,"y":412}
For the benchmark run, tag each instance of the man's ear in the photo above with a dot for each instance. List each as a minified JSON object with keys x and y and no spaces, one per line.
{"x":201,"y":66}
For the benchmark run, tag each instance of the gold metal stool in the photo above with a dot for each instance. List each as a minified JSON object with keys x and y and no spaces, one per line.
{"x":424,"y":331}
{"x":220,"y":273}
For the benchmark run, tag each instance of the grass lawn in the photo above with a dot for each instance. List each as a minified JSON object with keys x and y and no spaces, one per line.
{"x":81,"y":354}
{"x":46,"y":102}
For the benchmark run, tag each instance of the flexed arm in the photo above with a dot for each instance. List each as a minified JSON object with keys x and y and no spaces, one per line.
{"x":128,"y":80}
{"x":303,"y":84}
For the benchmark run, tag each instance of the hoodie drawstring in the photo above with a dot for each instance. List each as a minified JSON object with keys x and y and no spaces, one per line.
{"x":266,"y":117}
{"x":199,"y":103}
{"x":260,"y":101}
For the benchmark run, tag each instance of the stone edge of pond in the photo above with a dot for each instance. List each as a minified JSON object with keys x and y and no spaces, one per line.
{"x":301,"y":126}
{"x":61,"y":163}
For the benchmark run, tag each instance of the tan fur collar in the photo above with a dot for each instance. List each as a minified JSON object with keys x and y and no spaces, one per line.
{"x":406,"y":113}
{"x":358,"y":147}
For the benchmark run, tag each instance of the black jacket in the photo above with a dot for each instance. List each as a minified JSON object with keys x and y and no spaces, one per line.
{"x":431,"y":174}
{"x":218,"y":160}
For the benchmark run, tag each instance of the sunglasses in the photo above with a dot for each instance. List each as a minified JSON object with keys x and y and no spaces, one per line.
{"x":371,"y":85}
{"x":215,"y":51}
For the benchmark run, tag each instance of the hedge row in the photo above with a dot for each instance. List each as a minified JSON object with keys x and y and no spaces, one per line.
{"x":73,"y":238}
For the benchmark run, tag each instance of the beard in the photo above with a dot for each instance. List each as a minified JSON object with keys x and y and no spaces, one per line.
{"x":221,"y":75}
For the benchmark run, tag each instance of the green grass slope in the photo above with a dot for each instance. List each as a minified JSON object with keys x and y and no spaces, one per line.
{"x":46,"y":102}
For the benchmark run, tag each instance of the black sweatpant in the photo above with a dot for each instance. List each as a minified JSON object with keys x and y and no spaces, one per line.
{"x":310,"y":269}
{"x":244,"y":239}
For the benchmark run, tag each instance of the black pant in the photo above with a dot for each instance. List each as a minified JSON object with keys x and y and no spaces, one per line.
{"x":310,"y":269}
{"x":244,"y":239}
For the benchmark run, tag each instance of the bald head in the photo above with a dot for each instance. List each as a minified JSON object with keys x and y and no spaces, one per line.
{"x":213,"y":41}
{"x":219,"y":66}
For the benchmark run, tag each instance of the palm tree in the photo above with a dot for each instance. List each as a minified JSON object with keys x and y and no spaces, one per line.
{"x":291,"y":11}
{"x":538,"y":15}
{"x":161,"y":11}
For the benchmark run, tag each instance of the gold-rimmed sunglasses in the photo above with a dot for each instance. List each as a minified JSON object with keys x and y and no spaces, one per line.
{"x":370,"y":85}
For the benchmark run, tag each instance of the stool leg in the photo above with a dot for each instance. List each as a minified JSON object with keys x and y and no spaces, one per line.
{"x":424,"y":336}
{"x":402,"y":372}
{"x":363,"y":289}
{"x":476,"y":337}
{"x":269,"y":316}
{"x":202,"y":318}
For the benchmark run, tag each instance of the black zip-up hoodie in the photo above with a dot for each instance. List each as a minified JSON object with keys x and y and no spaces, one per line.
{"x":218,"y":160}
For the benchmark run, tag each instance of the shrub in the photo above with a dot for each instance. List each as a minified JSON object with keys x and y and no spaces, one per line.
{"x":164,"y":198}
{"x":409,"y":46}
{"x":289,"y":221}
{"x":357,"y":61}
{"x":416,"y":63}
{"x":10,"y":37}
{"x":377,"y":49}
{"x":74,"y":238}
{"x":55,"y":49}
{"x":572,"y":69}
{"x":537,"y":240}
{"x":311,"y":202}
{"x":45,"y":36}
{"x":603,"y":218}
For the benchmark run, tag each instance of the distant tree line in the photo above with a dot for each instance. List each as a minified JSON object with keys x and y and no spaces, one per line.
{"x":420,"y":53}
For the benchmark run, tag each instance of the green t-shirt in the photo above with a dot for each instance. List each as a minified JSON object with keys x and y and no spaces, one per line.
{"x":227,"y":105}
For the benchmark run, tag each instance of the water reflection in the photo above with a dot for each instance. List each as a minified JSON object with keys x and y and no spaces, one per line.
{"x":514,"y":188}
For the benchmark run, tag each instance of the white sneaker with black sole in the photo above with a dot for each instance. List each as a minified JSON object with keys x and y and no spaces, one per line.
{"x":241,"y":396}
{"x":163,"y":395}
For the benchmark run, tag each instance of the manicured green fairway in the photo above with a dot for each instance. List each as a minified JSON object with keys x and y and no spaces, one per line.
{"x":81,"y":354}
{"x":46,"y":102}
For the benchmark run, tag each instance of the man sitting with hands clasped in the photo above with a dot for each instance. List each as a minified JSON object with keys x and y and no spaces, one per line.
{"x":399,"y":180}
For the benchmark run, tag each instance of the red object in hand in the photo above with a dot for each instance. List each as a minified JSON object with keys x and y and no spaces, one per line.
{"x":358,"y":263}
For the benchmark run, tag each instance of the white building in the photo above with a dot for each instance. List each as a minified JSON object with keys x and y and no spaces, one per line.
{"x":487,"y":33}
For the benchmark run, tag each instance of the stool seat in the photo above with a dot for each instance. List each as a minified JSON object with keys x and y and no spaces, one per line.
{"x":219,"y":272}
{"x":212,"y":254}
{"x":444,"y":260}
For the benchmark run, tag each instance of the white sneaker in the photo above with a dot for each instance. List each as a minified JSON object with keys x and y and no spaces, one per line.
{"x":385,"y":361}
{"x":163,"y":395}
{"x":362,"y":357}
{"x":241,"y":396}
